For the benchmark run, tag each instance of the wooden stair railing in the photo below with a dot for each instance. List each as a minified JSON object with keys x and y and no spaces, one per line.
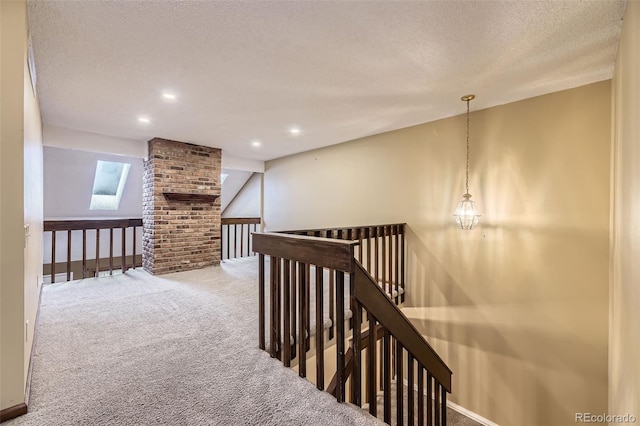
{"x":236,"y":236}
{"x":284,"y":325}
{"x":400,"y":338}
{"x":380,"y":250}
{"x":87,"y":226}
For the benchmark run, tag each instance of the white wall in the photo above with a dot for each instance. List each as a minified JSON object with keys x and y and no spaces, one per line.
{"x":68,"y":183}
{"x":62,"y":137}
{"x":237,"y":163}
{"x":624,"y":334}
{"x":232,"y":185}
{"x":247,"y":201}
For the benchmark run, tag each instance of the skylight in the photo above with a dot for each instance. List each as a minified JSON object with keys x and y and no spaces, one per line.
{"x":108,"y":185}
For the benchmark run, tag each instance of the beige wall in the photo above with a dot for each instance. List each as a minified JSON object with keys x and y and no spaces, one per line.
{"x":21,"y":204}
{"x":13,"y":39}
{"x":624,"y":347}
{"x":518,"y":307}
{"x":33,"y":211}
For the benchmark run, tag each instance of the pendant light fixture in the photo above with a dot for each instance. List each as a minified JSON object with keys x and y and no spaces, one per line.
{"x":467,"y":215}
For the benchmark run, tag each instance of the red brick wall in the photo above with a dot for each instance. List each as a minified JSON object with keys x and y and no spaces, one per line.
{"x":178,"y":235}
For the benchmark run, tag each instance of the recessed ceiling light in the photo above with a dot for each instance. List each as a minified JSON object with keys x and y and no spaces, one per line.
{"x":294,"y":131}
{"x":256,"y":143}
{"x":144,"y":120}
{"x":169,"y":96}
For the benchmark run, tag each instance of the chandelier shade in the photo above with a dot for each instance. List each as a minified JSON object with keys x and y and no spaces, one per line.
{"x":467,"y":215}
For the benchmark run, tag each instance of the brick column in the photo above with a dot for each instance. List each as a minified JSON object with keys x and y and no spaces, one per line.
{"x":180,"y":235}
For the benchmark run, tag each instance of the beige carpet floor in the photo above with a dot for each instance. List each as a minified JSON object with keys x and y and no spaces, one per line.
{"x":180,"y":349}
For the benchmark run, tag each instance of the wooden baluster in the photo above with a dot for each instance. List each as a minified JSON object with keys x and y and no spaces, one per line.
{"x":241,"y":239}
{"x":235,"y":240}
{"x":386,"y":375}
{"x":69,"y":255}
{"x":319,"y":329}
{"x":53,"y":257}
{"x":332,"y":303}
{"x":286,"y":311}
{"x":272,"y":312}
{"x":360,"y":242}
{"x":410,"y":390}
{"x":429,"y":401}
{"x":340,"y":350}
{"x":248,"y":239}
{"x":399,"y":384}
{"x":436,"y":403}
{"x":221,"y":244}
{"x":294,"y":311}
{"x":332,"y":318}
{"x":302,"y":314}
{"x":278,"y":309}
{"x":97,"y":252}
{"x":397,"y":262}
{"x":261,"y":310}
{"x":84,"y":253}
{"x":110,"y":251}
{"x":383,"y":255}
{"x":402,"y":283}
{"x":307,"y":318}
{"x":124,"y":250}
{"x":376,"y":252}
{"x":371,"y":367}
{"x":249,"y":244}
{"x":369,"y":246}
{"x":228,"y":242}
{"x":135,"y":230}
{"x":390,"y":266}
{"x":420,"y":395}
{"x":356,"y":380}
{"x":443,"y":406}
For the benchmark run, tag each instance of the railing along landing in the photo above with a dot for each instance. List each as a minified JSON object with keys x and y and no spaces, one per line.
{"x":88,"y":235}
{"x":298,"y":264}
{"x":236,"y":236}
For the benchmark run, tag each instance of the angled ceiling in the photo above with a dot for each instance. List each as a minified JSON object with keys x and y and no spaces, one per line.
{"x":247,"y":70}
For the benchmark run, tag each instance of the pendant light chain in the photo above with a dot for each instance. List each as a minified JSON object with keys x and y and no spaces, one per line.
{"x":466,"y":214}
{"x":467,"y":180}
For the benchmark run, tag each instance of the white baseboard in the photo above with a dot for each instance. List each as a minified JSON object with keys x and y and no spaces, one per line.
{"x":455,"y":407}
{"x":473,"y":416}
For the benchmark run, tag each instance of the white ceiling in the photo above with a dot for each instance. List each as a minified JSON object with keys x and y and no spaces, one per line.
{"x":339,"y":70}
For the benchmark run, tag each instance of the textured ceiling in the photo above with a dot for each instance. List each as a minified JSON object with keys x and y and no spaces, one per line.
{"x":245,"y":70}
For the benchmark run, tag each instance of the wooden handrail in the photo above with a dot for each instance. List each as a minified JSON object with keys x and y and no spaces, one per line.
{"x":322,"y":252}
{"x":78,"y":225}
{"x":240,"y":220}
{"x":375,"y":301}
{"x":398,"y":226}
